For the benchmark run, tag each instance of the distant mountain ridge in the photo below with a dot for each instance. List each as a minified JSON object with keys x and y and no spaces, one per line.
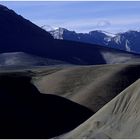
{"x":128,"y":41}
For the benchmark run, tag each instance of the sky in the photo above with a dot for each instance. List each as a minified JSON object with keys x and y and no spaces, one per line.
{"x":81,"y":16}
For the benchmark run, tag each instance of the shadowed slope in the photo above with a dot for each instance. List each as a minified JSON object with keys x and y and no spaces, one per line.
{"x":117,"y":119}
{"x":26,"y":113}
{"x":91,"y":86}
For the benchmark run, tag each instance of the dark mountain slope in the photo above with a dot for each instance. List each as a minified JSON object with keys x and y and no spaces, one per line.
{"x":18,"y":33}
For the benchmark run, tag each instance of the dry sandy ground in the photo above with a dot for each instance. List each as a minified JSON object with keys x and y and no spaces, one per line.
{"x":91,"y":86}
{"x":27,"y":113}
{"x":117,"y":119}
{"x":112,"y":91}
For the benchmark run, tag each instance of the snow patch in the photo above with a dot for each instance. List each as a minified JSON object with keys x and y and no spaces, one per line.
{"x":127,"y":46}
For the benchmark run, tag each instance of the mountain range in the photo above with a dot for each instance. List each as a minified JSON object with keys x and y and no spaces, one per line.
{"x":21,"y":35}
{"x":128,"y":41}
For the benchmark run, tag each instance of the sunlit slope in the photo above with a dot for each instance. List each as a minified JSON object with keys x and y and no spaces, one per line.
{"x":117,"y":119}
{"x":91,"y":86}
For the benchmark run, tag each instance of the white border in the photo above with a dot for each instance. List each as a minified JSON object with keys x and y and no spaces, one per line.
{"x":70,"y":0}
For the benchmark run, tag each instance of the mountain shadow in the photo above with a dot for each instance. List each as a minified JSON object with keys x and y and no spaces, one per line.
{"x":26,"y":113}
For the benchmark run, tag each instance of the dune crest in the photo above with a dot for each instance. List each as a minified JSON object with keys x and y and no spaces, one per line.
{"x":117,"y":119}
{"x":91,"y":86}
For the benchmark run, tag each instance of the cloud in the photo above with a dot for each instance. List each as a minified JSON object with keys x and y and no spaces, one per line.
{"x":103,"y":23}
{"x":47,"y":27}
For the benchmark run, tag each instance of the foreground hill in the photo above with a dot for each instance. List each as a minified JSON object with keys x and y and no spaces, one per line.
{"x":20,"y":35}
{"x":117,"y":119}
{"x":27,"y":113}
{"x":91,"y":86}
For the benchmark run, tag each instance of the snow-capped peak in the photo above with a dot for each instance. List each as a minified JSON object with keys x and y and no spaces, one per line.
{"x":103,"y":32}
{"x":109,"y":34}
{"x":58,"y":33}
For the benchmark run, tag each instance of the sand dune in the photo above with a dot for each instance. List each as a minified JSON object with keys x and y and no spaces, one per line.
{"x":91,"y":86}
{"x":117,"y":119}
{"x":27,"y":60}
{"x":26,"y":113}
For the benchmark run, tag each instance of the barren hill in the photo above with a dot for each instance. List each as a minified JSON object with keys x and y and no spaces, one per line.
{"x":117,"y":119}
{"x":91,"y":86}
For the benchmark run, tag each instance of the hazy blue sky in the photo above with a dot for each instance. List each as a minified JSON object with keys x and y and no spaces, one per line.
{"x":81,"y":16}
